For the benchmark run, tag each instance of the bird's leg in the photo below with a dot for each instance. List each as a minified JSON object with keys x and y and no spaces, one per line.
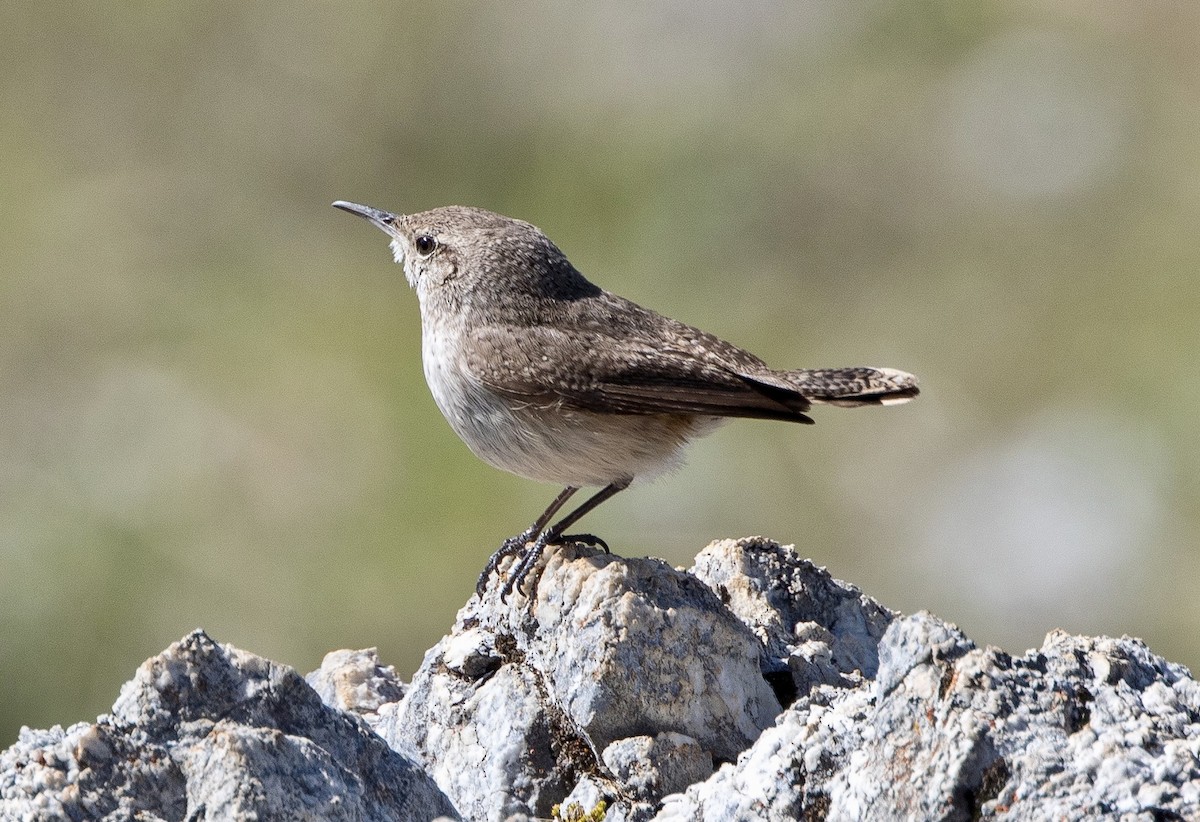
{"x":514,"y":545}
{"x":552,"y":535}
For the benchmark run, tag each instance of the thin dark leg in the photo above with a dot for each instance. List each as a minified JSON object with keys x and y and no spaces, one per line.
{"x":588,"y":505}
{"x":515,"y":544}
{"x":552,"y":535}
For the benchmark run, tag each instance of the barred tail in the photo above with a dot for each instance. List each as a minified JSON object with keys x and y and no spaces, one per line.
{"x":853,"y":386}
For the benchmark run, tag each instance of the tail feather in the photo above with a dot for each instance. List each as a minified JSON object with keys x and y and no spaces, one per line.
{"x":853,"y":386}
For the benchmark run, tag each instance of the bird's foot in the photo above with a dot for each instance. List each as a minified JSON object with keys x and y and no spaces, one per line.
{"x":586,"y":539}
{"x":533,"y":553}
{"x":528,"y":553}
{"x":510,"y":547}
{"x":527,"y":562}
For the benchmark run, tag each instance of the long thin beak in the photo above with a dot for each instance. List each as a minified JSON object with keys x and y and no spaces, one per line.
{"x":385,"y":220}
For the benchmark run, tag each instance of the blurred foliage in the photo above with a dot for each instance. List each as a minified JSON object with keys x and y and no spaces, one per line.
{"x":213,"y":407}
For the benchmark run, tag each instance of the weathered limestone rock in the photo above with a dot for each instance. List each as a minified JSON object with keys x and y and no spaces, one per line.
{"x":754,"y":686}
{"x":1083,"y":728}
{"x":205,"y":731}
{"x":512,"y":708}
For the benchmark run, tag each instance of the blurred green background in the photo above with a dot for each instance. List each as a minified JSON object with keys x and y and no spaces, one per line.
{"x":210,"y":385}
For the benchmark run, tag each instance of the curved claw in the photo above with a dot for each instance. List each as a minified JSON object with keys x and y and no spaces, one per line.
{"x":526,"y":564}
{"x":534,"y":552}
{"x":510,"y":546}
{"x":586,"y":539}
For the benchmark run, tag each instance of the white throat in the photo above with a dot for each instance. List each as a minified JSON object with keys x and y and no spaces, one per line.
{"x":400,"y":255}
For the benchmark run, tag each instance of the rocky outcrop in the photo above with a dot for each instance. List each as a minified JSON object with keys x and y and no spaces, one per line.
{"x":752,"y":686}
{"x":205,"y":731}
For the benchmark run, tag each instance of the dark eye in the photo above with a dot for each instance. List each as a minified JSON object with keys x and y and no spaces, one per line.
{"x":425,"y":244}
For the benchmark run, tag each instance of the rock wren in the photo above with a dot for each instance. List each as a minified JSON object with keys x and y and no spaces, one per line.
{"x":547,"y":376}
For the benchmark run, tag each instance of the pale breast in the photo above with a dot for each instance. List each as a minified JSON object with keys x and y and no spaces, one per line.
{"x":551,"y":444}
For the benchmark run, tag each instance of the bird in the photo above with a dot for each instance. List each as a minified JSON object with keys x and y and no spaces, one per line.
{"x":550,"y":377}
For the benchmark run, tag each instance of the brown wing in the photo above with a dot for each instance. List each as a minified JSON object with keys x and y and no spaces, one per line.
{"x":629,"y":369}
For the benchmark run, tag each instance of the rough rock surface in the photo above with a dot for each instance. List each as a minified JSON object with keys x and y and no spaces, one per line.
{"x":517,"y":703}
{"x":753,"y":686}
{"x":205,"y":731}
